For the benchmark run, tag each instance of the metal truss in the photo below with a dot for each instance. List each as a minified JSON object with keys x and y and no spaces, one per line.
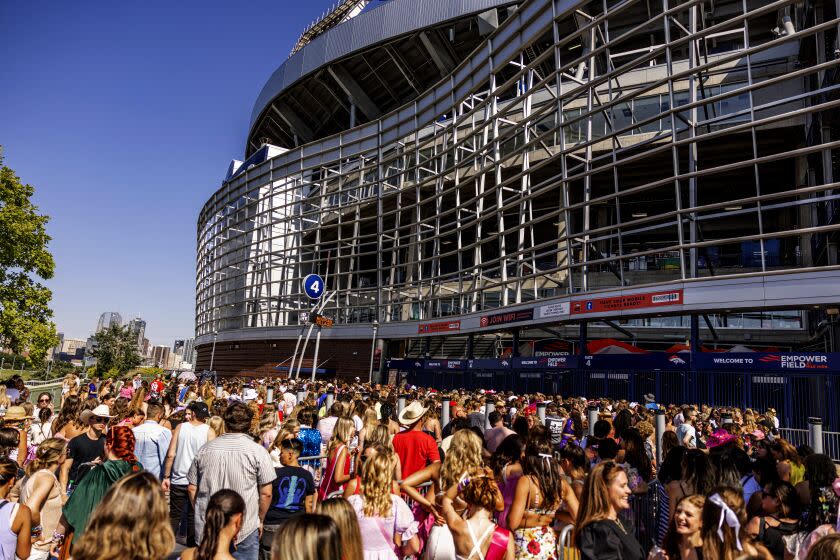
{"x":588,"y":145}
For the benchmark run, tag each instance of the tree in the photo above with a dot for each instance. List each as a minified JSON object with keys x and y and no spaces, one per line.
{"x":115,"y":350}
{"x":25,"y":312}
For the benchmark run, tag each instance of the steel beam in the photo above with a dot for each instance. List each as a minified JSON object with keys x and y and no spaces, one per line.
{"x":354,"y":91}
{"x":295,"y":122}
{"x":438,"y":52}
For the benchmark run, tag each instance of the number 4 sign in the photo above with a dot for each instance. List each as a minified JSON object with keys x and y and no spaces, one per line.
{"x":313,"y":286}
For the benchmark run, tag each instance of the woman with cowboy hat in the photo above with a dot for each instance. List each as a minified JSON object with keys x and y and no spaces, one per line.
{"x":15,"y":419}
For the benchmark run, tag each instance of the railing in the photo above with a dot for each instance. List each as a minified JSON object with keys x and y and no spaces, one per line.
{"x":796,"y":436}
{"x":52,"y":387}
{"x":830,"y":441}
{"x":565,"y":547}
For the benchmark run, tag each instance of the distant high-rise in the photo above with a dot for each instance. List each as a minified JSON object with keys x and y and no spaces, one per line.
{"x":137,"y":326}
{"x":107,"y":319}
{"x":160,"y":356}
{"x":189,"y":349}
{"x":178,"y":348}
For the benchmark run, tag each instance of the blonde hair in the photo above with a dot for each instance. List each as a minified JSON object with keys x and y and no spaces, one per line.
{"x":465,"y":454}
{"x":289,"y":428}
{"x":343,"y":431}
{"x":48,"y":454}
{"x":131,"y":522}
{"x":370,"y":420}
{"x":377,"y":481}
{"x":308,"y":536}
{"x":345,"y":517}
{"x":268,"y":419}
{"x":287,"y":431}
{"x":378,"y":436}
{"x":595,"y":500}
{"x":217,"y":424}
{"x":138,"y":398}
{"x":5,"y":401}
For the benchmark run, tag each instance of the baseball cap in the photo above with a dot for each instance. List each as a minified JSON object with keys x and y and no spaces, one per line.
{"x":199,"y":409}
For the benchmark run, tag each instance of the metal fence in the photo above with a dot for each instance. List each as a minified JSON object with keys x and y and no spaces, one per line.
{"x":790,"y":394}
{"x":51,"y":387}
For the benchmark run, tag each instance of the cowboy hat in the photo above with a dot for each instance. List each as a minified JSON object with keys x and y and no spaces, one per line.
{"x":412,"y":413}
{"x":14,"y":413}
{"x":102,"y":411}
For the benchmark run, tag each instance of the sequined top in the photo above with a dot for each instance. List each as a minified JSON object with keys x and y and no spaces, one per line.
{"x":311,"y":439}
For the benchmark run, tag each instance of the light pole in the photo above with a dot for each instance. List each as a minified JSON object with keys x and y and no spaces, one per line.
{"x":213,"y":352}
{"x":373,"y":350}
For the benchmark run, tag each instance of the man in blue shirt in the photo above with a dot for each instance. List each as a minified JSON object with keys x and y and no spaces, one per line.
{"x":152,"y":440}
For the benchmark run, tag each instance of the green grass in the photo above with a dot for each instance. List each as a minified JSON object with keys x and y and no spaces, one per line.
{"x":27,"y":374}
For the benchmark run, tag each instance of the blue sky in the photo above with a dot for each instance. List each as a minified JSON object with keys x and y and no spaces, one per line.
{"x":124,"y":116}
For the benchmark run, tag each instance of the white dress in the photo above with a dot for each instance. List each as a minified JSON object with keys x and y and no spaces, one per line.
{"x":440,"y":545}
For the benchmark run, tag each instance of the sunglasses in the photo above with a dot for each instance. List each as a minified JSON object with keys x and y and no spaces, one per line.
{"x":99,"y":419}
{"x":43,"y":400}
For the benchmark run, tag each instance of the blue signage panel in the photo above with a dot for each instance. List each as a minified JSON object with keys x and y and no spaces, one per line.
{"x":485,"y":363}
{"x":313,"y":286}
{"x":769,"y":361}
{"x":546,"y":362}
{"x":653,"y":360}
{"x":404,"y":364}
{"x":444,"y":364}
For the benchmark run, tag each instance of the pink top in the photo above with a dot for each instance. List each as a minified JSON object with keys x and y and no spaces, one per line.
{"x":375,"y":529}
{"x":508,"y":488}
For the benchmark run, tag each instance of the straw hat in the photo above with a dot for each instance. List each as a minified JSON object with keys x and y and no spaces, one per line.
{"x":14,"y":413}
{"x":412,"y":413}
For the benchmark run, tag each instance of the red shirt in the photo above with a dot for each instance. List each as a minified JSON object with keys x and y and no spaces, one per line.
{"x":157,"y":386}
{"x":416,"y":450}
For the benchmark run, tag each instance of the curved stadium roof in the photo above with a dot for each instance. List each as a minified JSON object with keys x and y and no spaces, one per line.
{"x":369,"y":65}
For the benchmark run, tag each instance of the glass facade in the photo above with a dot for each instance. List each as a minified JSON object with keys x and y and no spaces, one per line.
{"x":584,"y":146}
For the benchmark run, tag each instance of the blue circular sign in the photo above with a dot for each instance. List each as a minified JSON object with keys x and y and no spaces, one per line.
{"x":313,"y":286}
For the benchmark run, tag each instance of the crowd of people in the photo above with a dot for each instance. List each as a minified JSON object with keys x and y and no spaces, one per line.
{"x":280,"y":469}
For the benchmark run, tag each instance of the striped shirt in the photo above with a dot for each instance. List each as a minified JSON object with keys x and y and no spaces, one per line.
{"x":235,"y":462}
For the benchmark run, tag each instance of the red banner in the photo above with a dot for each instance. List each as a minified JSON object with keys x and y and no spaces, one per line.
{"x":622,"y":303}
{"x":444,"y":326}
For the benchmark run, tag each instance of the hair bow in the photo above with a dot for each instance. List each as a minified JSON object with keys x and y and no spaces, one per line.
{"x":728,"y":515}
{"x":546,"y":457}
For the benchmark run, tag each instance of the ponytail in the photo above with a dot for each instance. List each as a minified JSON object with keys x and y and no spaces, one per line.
{"x":214,"y":522}
{"x":121,"y":441}
{"x":221,"y":507}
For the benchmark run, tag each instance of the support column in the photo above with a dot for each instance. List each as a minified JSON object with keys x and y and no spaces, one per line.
{"x":515,"y":352}
{"x":471,"y":347}
{"x":582,"y":340}
{"x":694,"y":350}
{"x":375,"y":329}
{"x":489,"y":406}
{"x":659,"y":428}
{"x":815,"y":434}
{"x":380,"y":371}
{"x":541,"y":412}
{"x":427,"y":347}
{"x":444,"y":412}
{"x":591,"y":418}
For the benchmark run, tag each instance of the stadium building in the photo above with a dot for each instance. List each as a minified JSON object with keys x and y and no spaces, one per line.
{"x":478,"y":180}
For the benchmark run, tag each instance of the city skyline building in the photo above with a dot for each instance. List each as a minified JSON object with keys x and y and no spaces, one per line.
{"x":160,"y":356}
{"x":137,"y":326}
{"x":108,"y":319}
